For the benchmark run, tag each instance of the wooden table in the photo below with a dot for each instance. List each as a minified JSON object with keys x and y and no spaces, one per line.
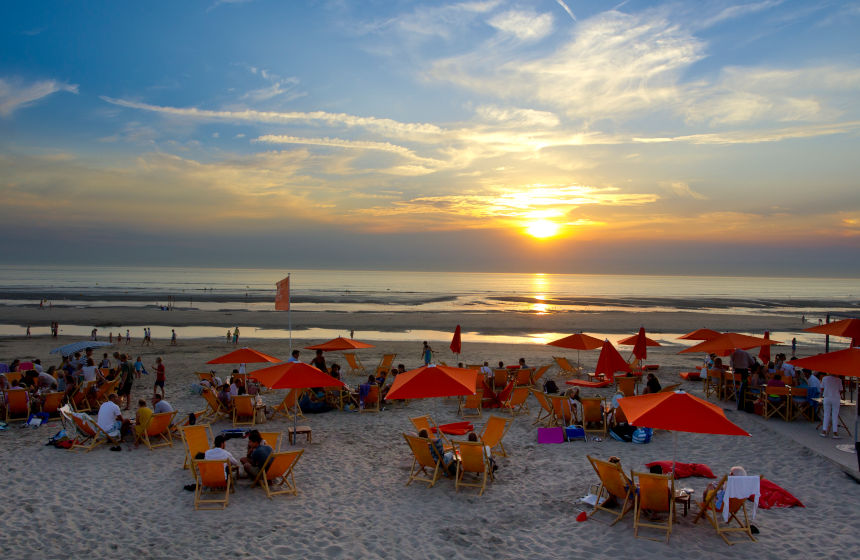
{"x":293,"y":432}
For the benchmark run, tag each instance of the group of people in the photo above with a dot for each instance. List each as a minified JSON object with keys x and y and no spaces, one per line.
{"x":258,"y":452}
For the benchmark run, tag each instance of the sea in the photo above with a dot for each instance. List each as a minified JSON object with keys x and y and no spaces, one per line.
{"x":228,"y":289}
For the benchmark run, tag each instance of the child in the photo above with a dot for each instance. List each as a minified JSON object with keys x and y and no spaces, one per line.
{"x":159,"y":376}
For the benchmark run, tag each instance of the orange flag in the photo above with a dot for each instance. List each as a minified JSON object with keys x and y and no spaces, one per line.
{"x":282,"y":297}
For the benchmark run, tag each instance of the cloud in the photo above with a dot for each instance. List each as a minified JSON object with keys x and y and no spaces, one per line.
{"x":566,"y":8}
{"x":15,"y":94}
{"x":278,"y":87}
{"x":757,"y":136}
{"x":428,"y":20}
{"x":524,"y":25}
{"x":683,"y":190}
{"x":738,"y":11}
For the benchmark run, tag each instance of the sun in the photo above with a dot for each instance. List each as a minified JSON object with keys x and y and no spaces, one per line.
{"x":542,"y":229}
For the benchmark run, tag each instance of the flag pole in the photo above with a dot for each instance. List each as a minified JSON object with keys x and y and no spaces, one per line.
{"x":290,"y":319}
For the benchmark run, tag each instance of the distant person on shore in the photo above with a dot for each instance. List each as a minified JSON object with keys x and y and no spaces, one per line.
{"x":427,"y":354}
{"x":94,"y":334}
{"x":28,"y":331}
{"x":173,"y":337}
{"x":229,"y":335}
{"x":793,"y":347}
{"x":127,"y":336}
{"x":235,"y":336}
{"x":352,"y":333}
{"x":160,"y":376}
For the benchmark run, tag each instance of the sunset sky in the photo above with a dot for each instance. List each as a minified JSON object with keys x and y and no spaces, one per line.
{"x":533,"y":136}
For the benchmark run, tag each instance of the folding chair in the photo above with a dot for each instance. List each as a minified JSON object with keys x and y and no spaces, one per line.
{"x":276,"y":476}
{"x":473,"y":459}
{"x":214,"y":478}
{"x":422,"y":460}
{"x":655,"y":494}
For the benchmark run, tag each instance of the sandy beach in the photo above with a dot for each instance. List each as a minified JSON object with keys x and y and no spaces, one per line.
{"x":352,"y":502}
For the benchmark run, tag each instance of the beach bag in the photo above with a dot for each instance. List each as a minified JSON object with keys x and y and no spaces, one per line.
{"x":550,"y":435}
{"x":550,"y":387}
{"x":642,"y":435}
{"x":574,"y":432}
{"x":622,"y":432}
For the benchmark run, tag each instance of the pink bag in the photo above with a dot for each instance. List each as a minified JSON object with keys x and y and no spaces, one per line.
{"x":550,"y":435}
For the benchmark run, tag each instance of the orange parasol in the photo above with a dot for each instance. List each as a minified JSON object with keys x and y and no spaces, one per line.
{"x":578,"y":341}
{"x":294,"y":375}
{"x":848,"y":328}
{"x":842,"y":362}
{"x":338,"y":344}
{"x":456,"y":342}
{"x":727,"y":342}
{"x":631,"y":340}
{"x":433,"y":381}
{"x":244,"y":356}
{"x":764,"y":351}
{"x":640,"y":343}
{"x":701,"y":334}
{"x":610,"y":361}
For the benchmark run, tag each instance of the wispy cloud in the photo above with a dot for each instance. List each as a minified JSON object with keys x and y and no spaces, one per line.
{"x":566,"y":8}
{"x":16,"y":94}
{"x":524,"y":25}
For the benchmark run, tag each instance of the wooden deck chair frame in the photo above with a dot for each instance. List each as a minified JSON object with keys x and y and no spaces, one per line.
{"x":208,"y":473}
{"x":780,"y":408}
{"x":104,"y":391}
{"x":81,"y":397}
{"x":800,"y":406}
{"x":207,"y":376}
{"x":195,"y":439}
{"x":52,"y":404}
{"x":372,"y":402}
{"x":474,"y":460}
{"x":714,"y":383}
{"x":731,"y":386}
{"x":655,"y":493}
{"x":244,"y":407}
{"x":670,"y":388}
{"x":354,"y":363}
{"x":545,"y":414}
{"x":565,"y":368}
{"x":539,"y":372}
{"x":426,"y":423}
{"x":523,"y":377}
{"x":562,"y":412}
{"x":273,"y":439}
{"x":494,"y":432}
{"x":422,"y":460}
{"x":17,"y":404}
{"x":92,"y":435}
{"x":276,"y":476}
{"x":517,"y":401}
{"x":593,"y":411}
{"x":158,"y":430}
{"x":384,"y":364}
{"x":500,"y":379}
{"x":613,"y":482}
{"x":474,"y":402}
{"x":289,"y":407}
{"x":708,"y":510}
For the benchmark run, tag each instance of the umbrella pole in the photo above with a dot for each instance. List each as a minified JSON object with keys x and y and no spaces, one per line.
{"x":674,"y":452}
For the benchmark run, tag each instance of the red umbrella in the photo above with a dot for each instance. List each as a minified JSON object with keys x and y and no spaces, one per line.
{"x":848,"y":328}
{"x":728,"y":342}
{"x":339,"y":344}
{"x":639,"y":342}
{"x":842,"y":362}
{"x":631,"y":341}
{"x":244,"y":356}
{"x":456,"y":343}
{"x":433,"y":381}
{"x":610,"y":361}
{"x":294,"y":375}
{"x":578,"y":341}
{"x":764,"y":351}
{"x":701,"y":334}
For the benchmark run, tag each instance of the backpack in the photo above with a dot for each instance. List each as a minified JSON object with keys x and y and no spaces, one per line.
{"x":550,"y":387}
{"x":642,"y":435}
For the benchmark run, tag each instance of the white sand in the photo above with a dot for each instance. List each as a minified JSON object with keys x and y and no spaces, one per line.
{"x":352,"y":500}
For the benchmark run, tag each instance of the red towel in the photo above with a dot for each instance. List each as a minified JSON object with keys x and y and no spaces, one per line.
{"x":774,"y":496}
{"x":584,"y":383}
{"x":456,"y":428}
{"x":684,"y":470}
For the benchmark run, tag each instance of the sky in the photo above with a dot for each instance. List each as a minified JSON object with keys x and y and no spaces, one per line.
{"x":712,"y":137}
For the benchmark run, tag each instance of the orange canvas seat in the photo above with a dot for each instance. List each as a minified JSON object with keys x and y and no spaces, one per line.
{"x":427,"y":423}
{"x":615,"y":484}
{"x":424,"y":467}
{"x":197,"y":439}
{"x":214,"y":484}
{"x":214,"y":409}
{"x":562,"y":412}
{"x":545,"y":414}
{"x":17,"y":404}
{"x":473,"y":403}
{"x":371,"y":400}
{"x":500,"y":378}
{"x":565,"y":368}
{"x":158,"y":429}
{"x":272,"y":439}
{"x":52,"y":403}
{"x":289,"y":407}
{"x":593,"y":415}
{"x":276,"y":476}
{"x":104,"y":391}
{"x":539,"y":373}
{"x":516,"y":402}
{"x":655,"y":494}
{"x":523,"y":377}
{"x":354,"y":363}
{"x":626,"y":385}
{"x":475,"y":461}
{"x":385,"y":364}
{"x":494,"y":431}
{"x":244,"y":410}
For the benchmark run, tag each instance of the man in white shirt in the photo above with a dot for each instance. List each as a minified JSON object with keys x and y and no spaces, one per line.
{"x":160,"y":405}
{"x":831,"y":391}
{"x":813,"y":385}
{"x":218,"y":453}
{"x":110,"y":419}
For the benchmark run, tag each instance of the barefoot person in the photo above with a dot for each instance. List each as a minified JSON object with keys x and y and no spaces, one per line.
{"x":159,"y":376}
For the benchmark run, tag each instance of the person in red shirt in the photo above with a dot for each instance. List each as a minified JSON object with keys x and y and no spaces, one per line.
{"x":159,"y":376}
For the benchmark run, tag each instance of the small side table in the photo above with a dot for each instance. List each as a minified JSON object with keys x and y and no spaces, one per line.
{"x":684,"y":499}
{"x":293,"y":432}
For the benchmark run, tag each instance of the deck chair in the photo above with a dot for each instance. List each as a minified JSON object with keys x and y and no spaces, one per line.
{"x":427,"y":423}
{"x":104,"y":391}
{"x":655,"y":494}
{"x":89,"y":434}
{"x":539,"y":373}
{"x":371,"y":400}
{"x":593,"y":413}
{"x":523,"y":377}
{"x":80,"y":398}
{"x":289,"y":407}
{"x":613,"y":483}
{"x":776,"y":401}
{"x":273,"y":439}
{"x":276,"y":476}
{"x":52,"y":404}
{"x":385,"y":364}
{"x":17,"y":404}
{"x":213,"y":479}
{"x":473,"y":459}
{"x":516,"y":402}
{"x":716,"y":514}
{"x":494,"y":431}
{"x":562,"y":413}
{"x":158,"y":428}
{"x":670,"y":388}
{"x":626,"y":385}
{"x":422,"y":461}
{"x":214,"y":409}
{"x":545,"y":414}
{"x":800,"y":404}
{"x":714,"y":383}
{"x":197,"y":439}
{"x":354,"y":363}
{"x":731,"y":386}
{"x":500,"y":378}
{"x":473,"y":403}
{"x":565,"y":367}
{"x":244,"y":411}
{"x":206,"y":376}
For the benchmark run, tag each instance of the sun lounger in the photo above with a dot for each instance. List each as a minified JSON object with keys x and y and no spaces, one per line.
{"x":197,"y":439}
{"x":158,"y":427}
{"x":591,"y":384}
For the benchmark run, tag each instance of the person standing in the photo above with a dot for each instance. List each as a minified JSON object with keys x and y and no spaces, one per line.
{"x":229,"y":335}
{"x":28,"y":331}
{"x":794,"y":347}
{"x":127,"y":336}
{"x":160,"y":376}
{"x":236,"y":336}
{"x":831,"y":391}
{"x":742,"y":361}
{"x":427,"y":354}
{"x":173,"y":337}
{"x":94,"y":334}
{"x":126,"y":376}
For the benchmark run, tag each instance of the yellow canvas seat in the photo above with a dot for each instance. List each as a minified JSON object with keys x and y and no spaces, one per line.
{"x":197,"y":439}
{"x":17,"y":404}
{"x":736,"y":508}
{"x":593,"y":415}
{"x":276,"y":476}
{"x":494,"y":431}
{"x":523,"y":377}
{"x":545,"y":414}
{"x":214,"y":409}
{"x":540,"y":372}
{"x":422,"y":461}
{"x":516,"y":403}
{"x":157,"y":429}
{"x":655,"y":494}
{"x":562,"y":412}
{"x":427,"y":423}
{"x":214,"y":484}
{"x":500,"y":378}
{"x":272,"y":439}
{"x":354,"y":363}
{"x":384,"y":364}
{"x":104,"y":391}
{"x":626,"y":385}
{"x":206,"y":376}
{"x":244,"y":410}
{"x":565,"y":368}
{"x":613,"y":484}
{"x":473,"y":402}
{"x":473,"y":460}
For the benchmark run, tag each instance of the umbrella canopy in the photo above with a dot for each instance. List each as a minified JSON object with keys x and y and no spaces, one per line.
{"x":631,"y":340}
{"x":728,"y":342}
{"x":69,"y":349}
{"x":433,"y":381}
{"x":244,"y":356}
{"x":456,"y":343}
{"x":842,"y":362}
{"x":849,"y":328}
{"x":680,"y":412}
{"x":701,"y":334}
{"x":577,"y":341}
{"x":764,"y":351}
{"x":610,"y":361}
{"x":294,"y":375}
{"x":339,"y":344}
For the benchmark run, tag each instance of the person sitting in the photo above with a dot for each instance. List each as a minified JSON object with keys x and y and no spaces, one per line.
{"x":573,"y":398}
{"x":46,"y":381}
{"x":522,"y":363}
{"x":218,"y":453}
{"x":486,"y":370}
{"x":159,"y":405}
{"x":294,"y":357}
{"x":712,"y":486}
{"x":314,"y":401}
{"x":364,"y":389}
{"x":437,"y":450}
{"x":487,"y":449}
{"x":334,"y":370}
{"x":111,"y":421}
{"x":652,"y":384}
{"x":319,"y":361}
{"x":258,"y":453}
{"x":813,"y":385}
{"x":225,"y":398}
{"x":141,"y":420}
